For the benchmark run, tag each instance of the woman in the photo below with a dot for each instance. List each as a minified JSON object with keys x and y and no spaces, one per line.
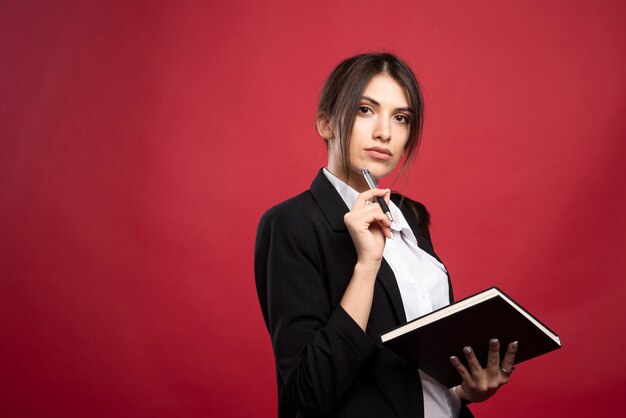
{"x":333,"y":272}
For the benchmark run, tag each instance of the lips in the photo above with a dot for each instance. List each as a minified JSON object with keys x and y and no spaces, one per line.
{"x":378,"y":153}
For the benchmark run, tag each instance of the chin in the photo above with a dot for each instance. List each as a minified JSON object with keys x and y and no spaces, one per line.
{"x":378,"y":170}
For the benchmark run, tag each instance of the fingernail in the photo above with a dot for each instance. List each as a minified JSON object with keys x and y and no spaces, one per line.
{"x":514,"y":345}
{"x":452,"y":358}
{"x":494,"y":341}
{"x":387,"y":190}
{"x":468,"y":350}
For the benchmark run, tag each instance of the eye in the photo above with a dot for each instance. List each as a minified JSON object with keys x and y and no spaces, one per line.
{"x":402,"y":119}
{"x":365,"y":110}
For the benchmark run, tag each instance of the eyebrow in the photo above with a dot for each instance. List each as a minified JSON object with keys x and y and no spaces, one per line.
{"x":403,"y":109}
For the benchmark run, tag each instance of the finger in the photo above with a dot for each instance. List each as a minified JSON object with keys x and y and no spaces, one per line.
{"x":493,"y":357}
{"x":368,"y":195}
{"x":473,"y":363}
{"x":387,"y":231}
{"x":465,"y":374}
{"x":387,"y":196}
{"x":362,"y":218}
{"x":381,"y":219}
{"x":509,"y":356}
{"x":375,"y":212}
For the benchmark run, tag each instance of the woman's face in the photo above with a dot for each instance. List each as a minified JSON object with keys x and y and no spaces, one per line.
{"x":379,"y":135}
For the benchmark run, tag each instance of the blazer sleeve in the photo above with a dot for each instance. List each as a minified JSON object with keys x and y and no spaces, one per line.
{"x":319,"y":349}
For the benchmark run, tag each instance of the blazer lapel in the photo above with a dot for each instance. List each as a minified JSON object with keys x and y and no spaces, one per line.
{"x":332,"y":205}
{"x":388,"y":280}
{"x":334,"y":209}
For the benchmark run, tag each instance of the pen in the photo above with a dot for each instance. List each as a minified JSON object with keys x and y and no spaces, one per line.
{"x":381,"y":201}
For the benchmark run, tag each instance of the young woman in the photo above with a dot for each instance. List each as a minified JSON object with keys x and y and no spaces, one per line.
{"x":333,"y":272}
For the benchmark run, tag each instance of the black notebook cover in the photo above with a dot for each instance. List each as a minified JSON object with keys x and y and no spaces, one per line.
{"x":490,"y":314}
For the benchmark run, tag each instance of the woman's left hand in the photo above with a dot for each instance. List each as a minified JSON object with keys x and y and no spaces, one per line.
{"x":480,"y":384}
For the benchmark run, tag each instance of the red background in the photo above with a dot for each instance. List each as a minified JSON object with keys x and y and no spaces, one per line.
{"x":141,"y":141}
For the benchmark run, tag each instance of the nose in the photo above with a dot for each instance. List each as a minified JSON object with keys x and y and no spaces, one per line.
{"x":382,"y":130}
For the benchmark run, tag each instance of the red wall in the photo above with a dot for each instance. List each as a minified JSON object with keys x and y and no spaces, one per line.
{"x":141,"y":141}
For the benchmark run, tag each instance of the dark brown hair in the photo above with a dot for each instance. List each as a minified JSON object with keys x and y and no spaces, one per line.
{"x":341,"y":95}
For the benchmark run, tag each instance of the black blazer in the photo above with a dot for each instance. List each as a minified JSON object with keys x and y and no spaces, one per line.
{"x":326,"y":366}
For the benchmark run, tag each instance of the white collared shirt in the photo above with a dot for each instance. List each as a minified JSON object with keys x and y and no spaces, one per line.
{"x":423,"y":285}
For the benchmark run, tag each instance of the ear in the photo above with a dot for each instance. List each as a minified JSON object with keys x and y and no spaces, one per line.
{"x":324,"y":127}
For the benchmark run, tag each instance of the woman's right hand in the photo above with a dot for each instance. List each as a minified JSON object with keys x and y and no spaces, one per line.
{"x":368,"y":226}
